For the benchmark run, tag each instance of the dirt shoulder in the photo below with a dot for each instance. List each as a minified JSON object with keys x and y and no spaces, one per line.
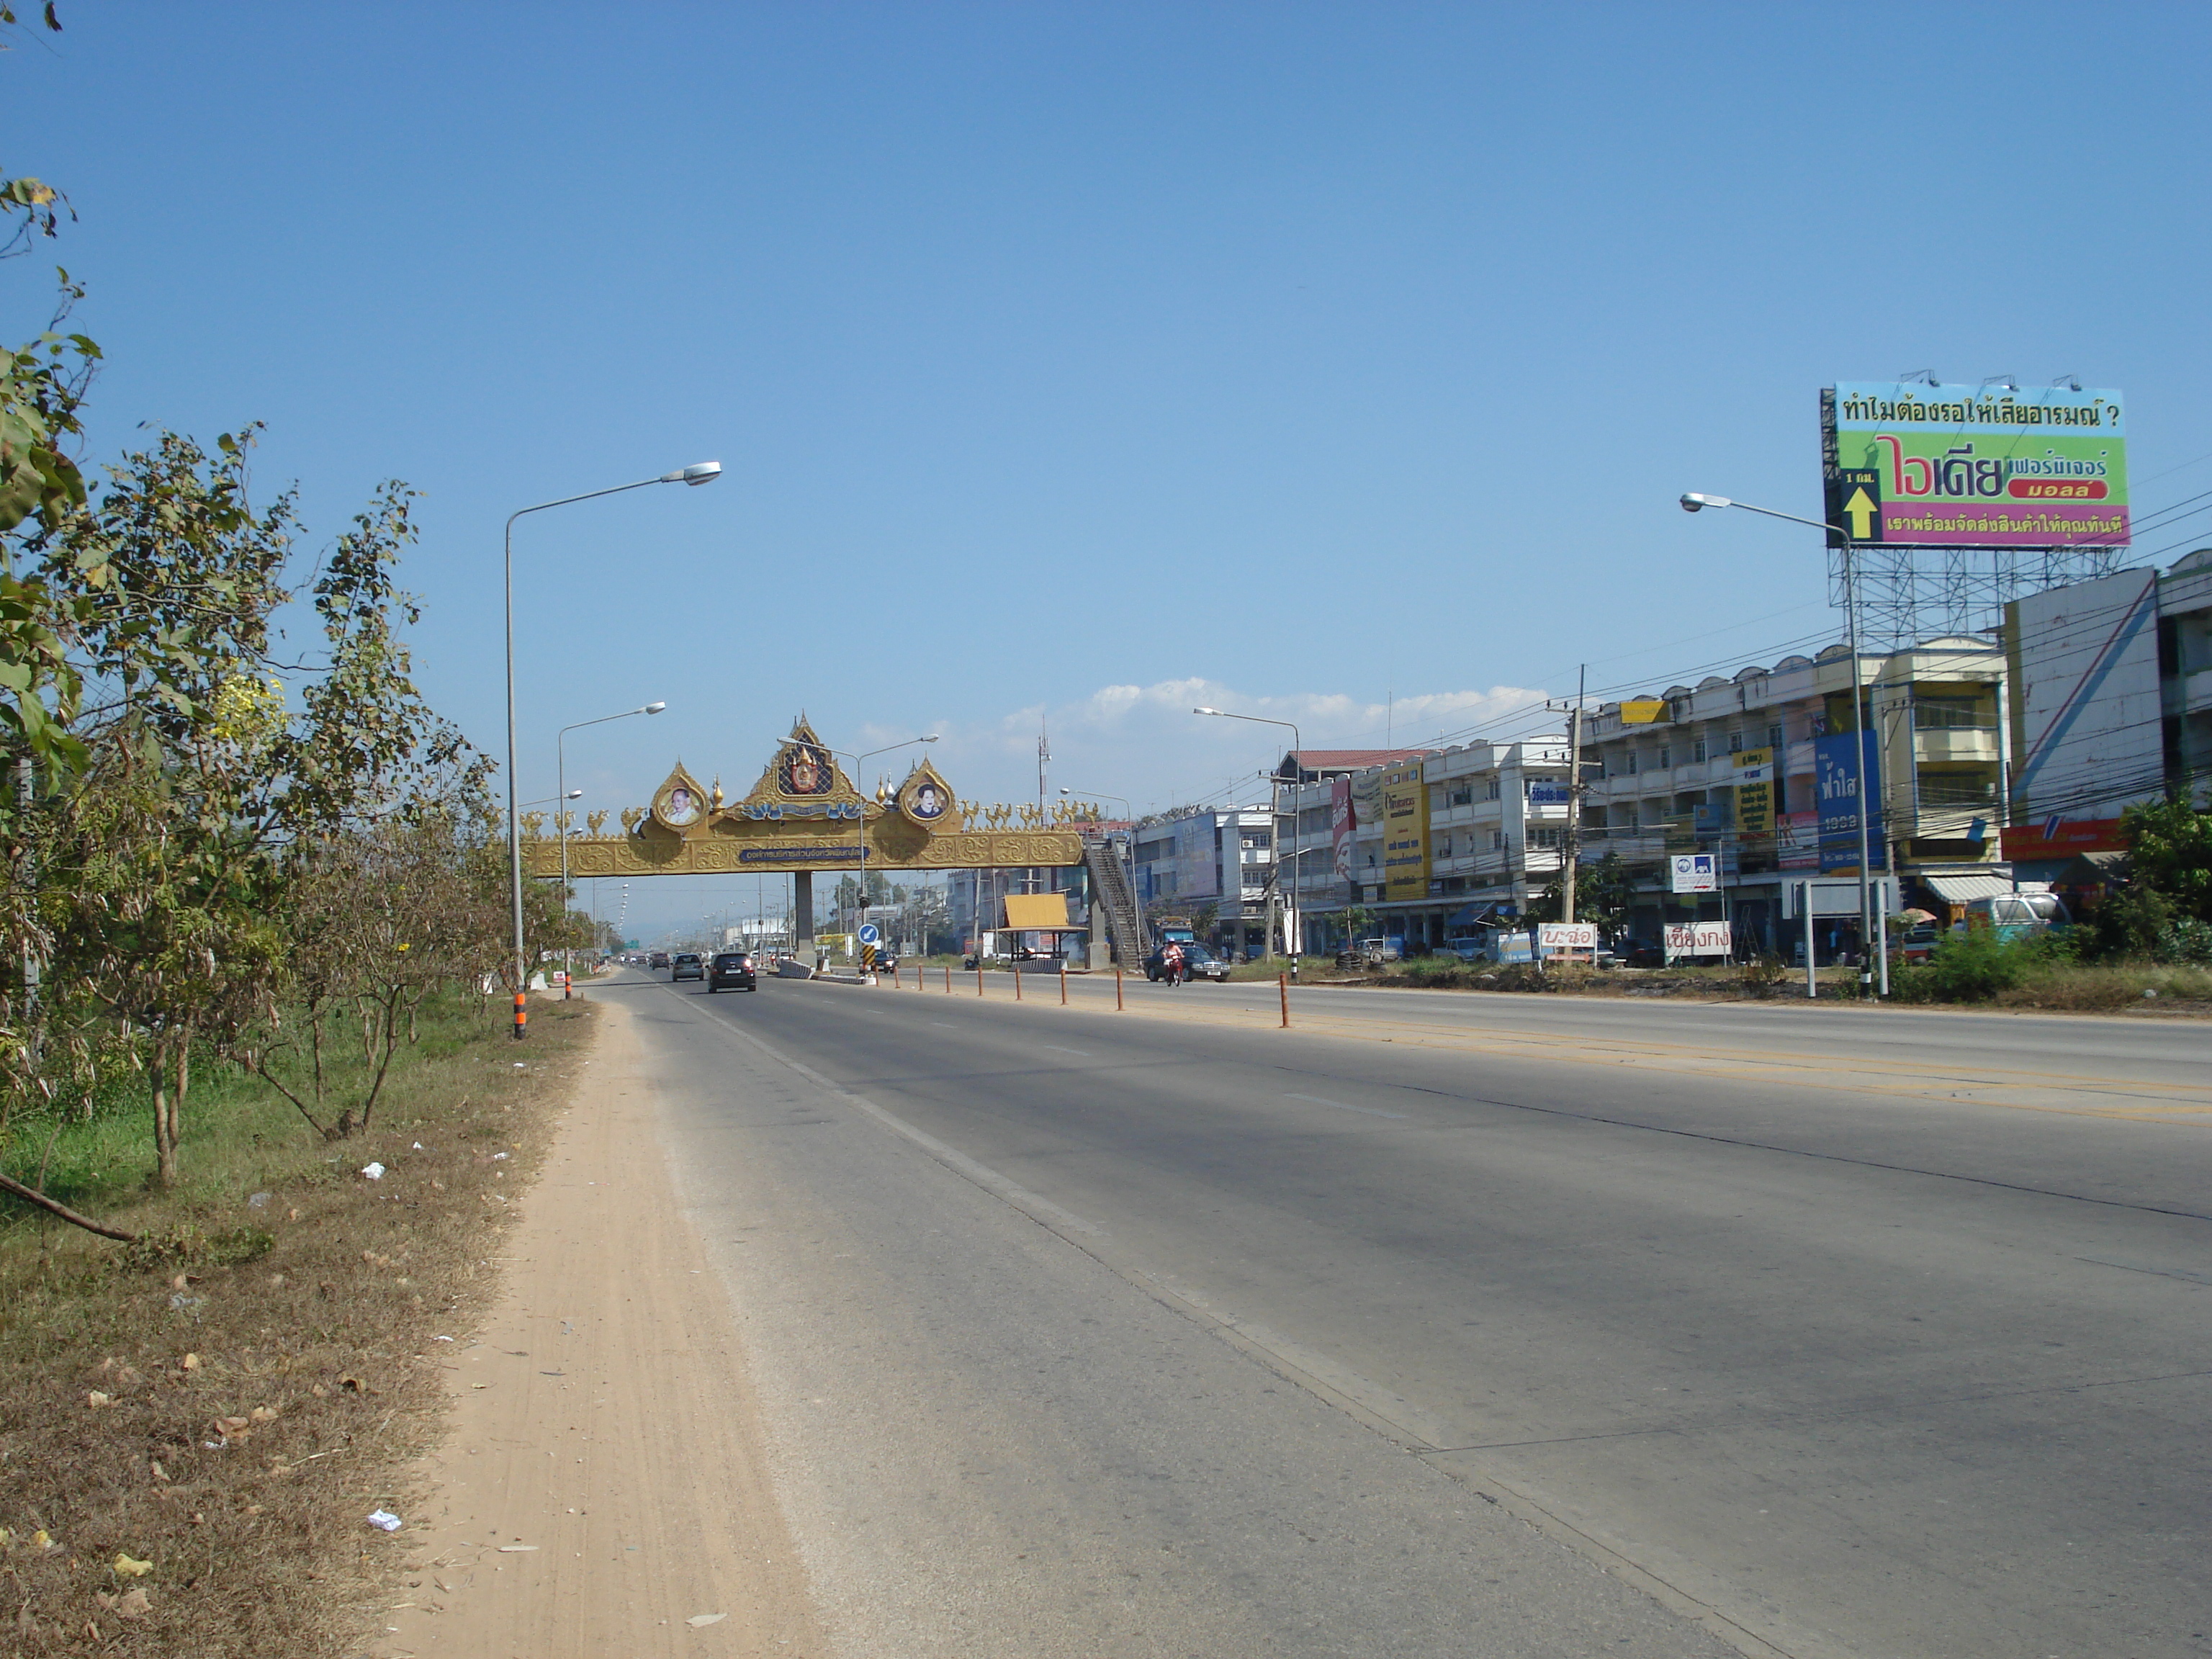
{"x":194,"y":1430}
{"x":600,"y":1488}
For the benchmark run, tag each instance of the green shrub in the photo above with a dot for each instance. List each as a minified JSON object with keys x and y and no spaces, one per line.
{"x":1975,"y":966}
{"x":2128,"y":924}
{"x":2186,"y":939}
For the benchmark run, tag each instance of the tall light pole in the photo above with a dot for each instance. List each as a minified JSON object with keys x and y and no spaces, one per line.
{"x":560,"y":763}
{"x":856,"y":760}
{"x":1275,"y":816}
{"x":698,"y":473}
{"x":1694,"y":502}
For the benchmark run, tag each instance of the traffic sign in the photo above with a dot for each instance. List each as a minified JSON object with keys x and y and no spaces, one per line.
{"x":869,"y":933}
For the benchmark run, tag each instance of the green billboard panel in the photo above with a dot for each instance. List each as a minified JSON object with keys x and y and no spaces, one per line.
{"x":1912,"y":466}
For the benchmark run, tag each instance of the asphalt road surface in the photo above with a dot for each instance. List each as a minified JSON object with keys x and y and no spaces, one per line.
{"x":1463,"y":1325}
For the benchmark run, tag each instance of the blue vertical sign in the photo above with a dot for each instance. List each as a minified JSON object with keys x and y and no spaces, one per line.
{"x":1836,"y":782}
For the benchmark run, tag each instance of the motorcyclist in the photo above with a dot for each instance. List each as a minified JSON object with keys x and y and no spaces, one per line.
{"x":1173,"y":960}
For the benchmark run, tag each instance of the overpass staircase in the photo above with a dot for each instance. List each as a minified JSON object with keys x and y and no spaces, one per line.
{"x":1110,"y":886}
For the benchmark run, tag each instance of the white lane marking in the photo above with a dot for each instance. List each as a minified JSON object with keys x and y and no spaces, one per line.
{"x":1372,"y":1111}
{"x":1035,"y":1205}
{"x":1080,"y":1053}
{"x":944,"y":1024}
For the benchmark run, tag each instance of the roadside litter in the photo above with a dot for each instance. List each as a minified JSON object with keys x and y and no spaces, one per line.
{"x":383,"y":1520}
{"x":374,"y":1171}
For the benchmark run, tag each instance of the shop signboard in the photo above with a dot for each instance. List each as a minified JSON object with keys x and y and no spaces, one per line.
{"x":1912,"y":466}
{"x":1797,"y":840}
{"x":2061,"y":838}
{"x":1836,"y":770}
{"x":1697,"y":938}
{"x":1693,"y":872}
{"x":1554,"y":938}
{"x":1406,"y":832}
{"x":1754,"y":792}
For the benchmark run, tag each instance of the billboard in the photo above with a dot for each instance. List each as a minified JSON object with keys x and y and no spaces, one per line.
{"x":1552,"y":936}
{"x":1797,"y":840}
{"x":1693,"y":872}
{"x":1835,"y":783}
{"x":2082,"y":676}
{"x":1754,"y":792}
{"x":1406,"y":832}
{"x":1341,"y":826}
{"x":1697,"y":938}
{"x":1912,"y":466}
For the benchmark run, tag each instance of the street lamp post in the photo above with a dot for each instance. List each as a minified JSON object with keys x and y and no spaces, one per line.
{"x":1693,"y":503}
{"x":699,"y":472}
{"x":1275,"y":816}
{"x":560,"y":763}
{"x":856,"y":760}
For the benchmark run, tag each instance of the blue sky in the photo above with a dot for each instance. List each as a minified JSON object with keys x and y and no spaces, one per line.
{"x":1090,"y":361}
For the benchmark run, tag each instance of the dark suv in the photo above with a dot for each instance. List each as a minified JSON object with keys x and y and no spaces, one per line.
{"x":1199,"y":963}
{"x":685,"y":965}
{"x":730,"y":967}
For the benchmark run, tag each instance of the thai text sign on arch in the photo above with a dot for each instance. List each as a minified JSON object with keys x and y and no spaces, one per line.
{"x":1406,"y":832}
{"x":1911,"y":465}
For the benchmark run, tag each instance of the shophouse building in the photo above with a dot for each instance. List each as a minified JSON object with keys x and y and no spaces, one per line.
{"x":1214,"y":866}
{"x":1438,"y":842}
{"x":1740,"y":768}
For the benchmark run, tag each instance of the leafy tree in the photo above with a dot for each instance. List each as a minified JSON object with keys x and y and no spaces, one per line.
{"x":2170,"y":852}
{"x":1603,"y":895}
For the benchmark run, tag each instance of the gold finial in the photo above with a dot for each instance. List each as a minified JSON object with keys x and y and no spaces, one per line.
{"x":718,"y":794}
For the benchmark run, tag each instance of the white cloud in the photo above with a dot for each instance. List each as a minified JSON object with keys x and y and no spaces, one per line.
{"x":1143,"y":742}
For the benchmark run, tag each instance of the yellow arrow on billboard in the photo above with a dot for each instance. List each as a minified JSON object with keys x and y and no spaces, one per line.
{"x":1860,"y":510}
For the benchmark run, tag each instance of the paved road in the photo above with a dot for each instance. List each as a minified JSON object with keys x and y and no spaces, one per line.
{"x":1830,"y":1332}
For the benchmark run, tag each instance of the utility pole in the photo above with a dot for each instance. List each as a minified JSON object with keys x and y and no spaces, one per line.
{"x":1032,"y":880}
{"x":1574,"y":838}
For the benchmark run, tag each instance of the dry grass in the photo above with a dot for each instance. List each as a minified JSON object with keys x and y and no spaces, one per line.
{"x":228,"y":1405}
{"x":2077,"y":987}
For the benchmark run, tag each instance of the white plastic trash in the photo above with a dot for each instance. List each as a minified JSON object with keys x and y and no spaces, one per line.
{"x":383,"y":1520}
{"x":374,"y":1171}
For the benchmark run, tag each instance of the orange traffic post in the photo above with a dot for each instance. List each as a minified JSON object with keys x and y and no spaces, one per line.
{"x":1117,"y":988}
{"x":948,"y":978}
{"x":1283,"y":984}
{"x":979,"y":976}
{"x":1063,"y":984}
{"x":522,"y":1013}
{"x":1018,"y":984}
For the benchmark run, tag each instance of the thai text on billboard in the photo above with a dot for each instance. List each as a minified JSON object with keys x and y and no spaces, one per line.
{"x":1754,"y":792}
{"x":1916,"y":466}
{"x":1406,"y":832}
{"x":1836,"y":782}
{"x":1697,"y":938}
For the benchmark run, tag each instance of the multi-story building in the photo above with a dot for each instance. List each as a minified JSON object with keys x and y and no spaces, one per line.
{"x":1437,"y":840}
{"x":2185,"y":663}
{"x":1740,"y":766}
{"x":1214,"y":865}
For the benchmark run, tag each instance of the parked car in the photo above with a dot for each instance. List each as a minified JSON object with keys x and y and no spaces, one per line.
{"x":2019,"y":915}
{"x":1200,"y":963}
{"x":730,"y":967}
{"x":686,"y":964}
